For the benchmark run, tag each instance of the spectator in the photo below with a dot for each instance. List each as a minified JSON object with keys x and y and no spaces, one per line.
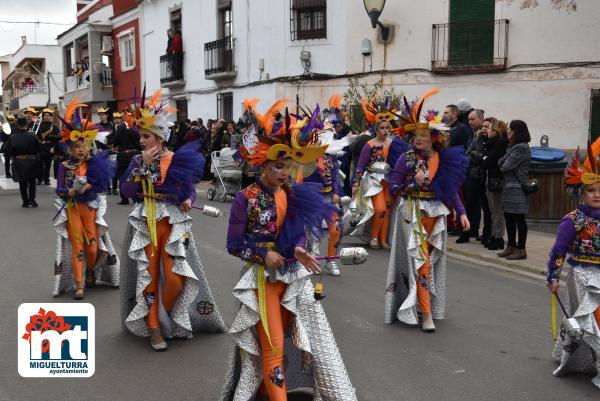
{"x":176,"y":54}
{"x":23,"y":147}
{"x":464,"y":110}
{"x":495,"y":148}
{"x":474,"y":188}
{"x":236,"y":137}
{"x":460,"y":134}
{"x":515,"y":167}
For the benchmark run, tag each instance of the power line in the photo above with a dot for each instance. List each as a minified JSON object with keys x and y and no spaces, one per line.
{"x":38,"y":22}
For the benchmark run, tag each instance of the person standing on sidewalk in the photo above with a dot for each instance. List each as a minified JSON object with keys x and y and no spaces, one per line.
{"x":579,"y":236}
{"x":127,"y":142}
{"x":495,"y":148}
{"x":515,"y":204}
{"x":23,"y":148}
{"x":474,"y":189}
{"x":426,"y":177}
{"x":49,"y":136}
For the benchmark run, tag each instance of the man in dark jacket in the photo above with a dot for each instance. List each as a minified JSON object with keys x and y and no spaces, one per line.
{"x":127,"y":143}
{"x":49,"y":135}
{"x":460,"y":134}
{"x":23,"y":148}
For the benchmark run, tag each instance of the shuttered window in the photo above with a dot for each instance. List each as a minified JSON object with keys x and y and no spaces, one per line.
{"x":471,"y":32}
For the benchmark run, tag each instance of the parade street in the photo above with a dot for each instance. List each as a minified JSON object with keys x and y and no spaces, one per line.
{"x":494,"y":345}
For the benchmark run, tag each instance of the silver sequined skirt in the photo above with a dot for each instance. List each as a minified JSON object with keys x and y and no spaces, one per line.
{"x":195,"y":310}
{"x":311,"y":353}
{"x":583,"y":289}
{"x":106,"y":270}
{"x":406,"y":260}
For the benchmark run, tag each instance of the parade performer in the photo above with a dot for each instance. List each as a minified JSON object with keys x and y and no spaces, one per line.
{"x":164,"y":292}
{"x":327,"y":173}
{"x":427,"y":177}
{"x":49,"y":136}
{"x":267,"y":226}
{"x":82,"y":231}
{"x":373,"y":200}
{"x":578,"y":345}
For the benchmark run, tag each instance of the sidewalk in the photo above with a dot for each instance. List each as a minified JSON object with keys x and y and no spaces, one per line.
{"x":538,"y":248}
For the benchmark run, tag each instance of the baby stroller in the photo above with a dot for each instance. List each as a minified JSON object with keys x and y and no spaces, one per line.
{"x":227,"y":173}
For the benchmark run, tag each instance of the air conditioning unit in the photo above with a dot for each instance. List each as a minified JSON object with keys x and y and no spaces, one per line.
{"x":107,"y":44}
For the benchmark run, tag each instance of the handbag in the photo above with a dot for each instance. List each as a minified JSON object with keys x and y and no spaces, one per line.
{"x":530,"y":186}
{"x":495,"y":184}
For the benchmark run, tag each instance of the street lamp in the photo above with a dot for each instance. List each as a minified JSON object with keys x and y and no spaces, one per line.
{"x":374,"y":9}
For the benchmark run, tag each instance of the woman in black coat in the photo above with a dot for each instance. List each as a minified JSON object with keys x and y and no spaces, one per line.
{"x":495,"y":148}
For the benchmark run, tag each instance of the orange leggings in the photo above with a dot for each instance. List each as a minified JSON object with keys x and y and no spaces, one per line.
{"x":173,"y":283}
{"x":382,"y":203}
{"x":423,"y":294}
{"x":272,"y":360}
{"x":334,"y":236}
{"x":82,"y":232}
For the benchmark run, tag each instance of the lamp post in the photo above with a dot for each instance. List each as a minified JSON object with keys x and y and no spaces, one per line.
{"x":374,"y":9}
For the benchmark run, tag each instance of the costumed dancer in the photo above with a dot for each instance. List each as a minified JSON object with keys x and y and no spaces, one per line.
{"x":164,"y":292}
{"x":279,"y":318}
{"x":327,"y":173}
{"x":427,"y":177}
{"x":373,"y":199}
{"x":82,"y":231}
{"x":578,"y":344}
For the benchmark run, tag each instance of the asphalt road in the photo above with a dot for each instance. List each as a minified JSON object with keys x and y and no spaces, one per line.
{"x":494,"y":345}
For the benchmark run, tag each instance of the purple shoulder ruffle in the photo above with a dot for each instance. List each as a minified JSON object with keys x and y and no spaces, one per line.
{"x":451,"y":173}
{"x":100,"y":171}
{"x":186,"y":169}
{"x":306,"y":210}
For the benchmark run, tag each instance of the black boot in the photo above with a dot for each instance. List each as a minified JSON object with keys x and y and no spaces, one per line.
{"x":496,"y":244}
{"x":485,"y":241}
{"x":462,"y":238}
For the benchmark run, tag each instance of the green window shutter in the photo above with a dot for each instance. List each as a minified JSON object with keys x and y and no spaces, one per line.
{"x":595,"y":115}
{"x":471,"y":32}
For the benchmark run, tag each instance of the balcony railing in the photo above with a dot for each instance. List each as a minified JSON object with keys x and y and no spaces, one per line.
{"x":106,"y":76}
{"x":477,"y":46}
{"x":219,"y":61}
{"x":171,"y":68}
{"x":20,"y":92}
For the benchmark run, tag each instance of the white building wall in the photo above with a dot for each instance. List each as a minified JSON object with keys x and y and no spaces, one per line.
{"x":527,"y":90}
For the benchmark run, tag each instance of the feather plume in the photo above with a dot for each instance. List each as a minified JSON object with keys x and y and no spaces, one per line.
{"x":369,"y":116}
{"x":250,"y":104}
{"x":72,"y":107}
{"x":593,"y":150}
{"x":143,"y":101}
{"x":416,"y":110}
{"x":268,"y":118}
{"x":335,"y":102}
{"x":154,"y":101}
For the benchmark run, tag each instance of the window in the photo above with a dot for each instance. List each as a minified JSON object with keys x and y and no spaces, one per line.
{"x":308,"y":19}
{"x":225,"y":106}
{"x":127,"y":49}
{"x":226,"y":23}
{"x":182,"y":109}
{"x":175,"y":19}
{"x":471,"y":32}
{"x":595,"y":115}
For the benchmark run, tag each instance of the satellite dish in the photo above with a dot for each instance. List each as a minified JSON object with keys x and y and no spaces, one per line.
{"x":6,"y":128}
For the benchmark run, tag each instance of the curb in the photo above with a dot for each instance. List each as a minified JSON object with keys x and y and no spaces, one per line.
{"x":499,"y":263}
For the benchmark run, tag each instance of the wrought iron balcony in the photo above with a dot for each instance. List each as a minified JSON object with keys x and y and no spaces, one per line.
{"x":219,"y":61}
{"x":171,"y":70}
{"x":476,"y":46}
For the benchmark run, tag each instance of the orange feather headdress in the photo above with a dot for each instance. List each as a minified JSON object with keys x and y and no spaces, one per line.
{"x":578,"y":174}
{"x":75,"y":128}
{"x":151,"y":115}
{"x":411,"y":119}
{"x":274,"y":136}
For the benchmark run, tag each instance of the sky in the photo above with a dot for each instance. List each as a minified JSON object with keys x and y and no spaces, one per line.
{"x":55,"y":11}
